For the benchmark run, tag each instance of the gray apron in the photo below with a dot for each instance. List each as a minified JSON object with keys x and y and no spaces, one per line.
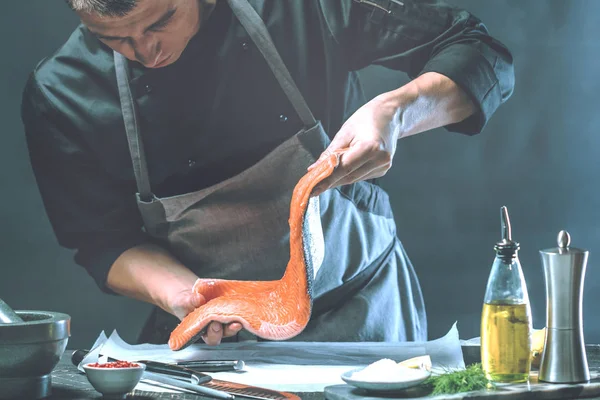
{"x":366,"y":288}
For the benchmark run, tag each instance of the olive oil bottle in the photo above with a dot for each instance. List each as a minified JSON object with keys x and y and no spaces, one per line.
{"x":506,"y":324}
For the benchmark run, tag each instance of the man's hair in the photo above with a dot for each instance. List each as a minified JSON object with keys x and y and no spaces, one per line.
{"x":104,"y":8}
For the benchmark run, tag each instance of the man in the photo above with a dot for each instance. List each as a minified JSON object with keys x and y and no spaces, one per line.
{"x":166,"y":139}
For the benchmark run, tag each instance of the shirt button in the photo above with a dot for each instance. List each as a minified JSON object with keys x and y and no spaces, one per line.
{"x":245,"y":46}
{"x":148,"y":88}
{"x":283,"y":118}
{"x":191,"y":163}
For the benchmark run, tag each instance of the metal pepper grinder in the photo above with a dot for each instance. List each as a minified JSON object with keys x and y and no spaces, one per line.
{"x":564,"y":358}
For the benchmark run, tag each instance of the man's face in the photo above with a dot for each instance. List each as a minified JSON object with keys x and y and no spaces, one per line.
{"x":154,"y":33}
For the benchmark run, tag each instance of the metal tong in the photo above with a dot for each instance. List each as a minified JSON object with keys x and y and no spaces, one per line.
{"x":175,"y":368}
{"x":213,"y":366}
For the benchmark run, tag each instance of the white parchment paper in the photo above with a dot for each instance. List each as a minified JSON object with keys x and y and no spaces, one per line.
{"x":287,"y":365}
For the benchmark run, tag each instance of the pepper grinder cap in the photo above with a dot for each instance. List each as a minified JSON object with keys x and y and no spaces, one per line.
{"x":564,"y":245}
{"x":506,"y":247}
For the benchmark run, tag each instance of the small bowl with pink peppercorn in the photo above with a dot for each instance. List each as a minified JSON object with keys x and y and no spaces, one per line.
{"x":114,"y":379}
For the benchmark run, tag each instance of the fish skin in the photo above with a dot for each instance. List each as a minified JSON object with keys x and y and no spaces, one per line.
{"x":272,"y":310}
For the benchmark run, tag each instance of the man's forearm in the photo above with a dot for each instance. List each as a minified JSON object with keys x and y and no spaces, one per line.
{"x":430,"y":101}
{"x":150,"y":274}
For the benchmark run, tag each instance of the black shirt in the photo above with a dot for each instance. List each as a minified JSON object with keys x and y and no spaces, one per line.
{"x":219,"y":109}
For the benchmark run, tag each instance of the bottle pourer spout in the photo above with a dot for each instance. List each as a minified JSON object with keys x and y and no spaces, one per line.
{"x":506,"y":231}
{"x":506,"y":247}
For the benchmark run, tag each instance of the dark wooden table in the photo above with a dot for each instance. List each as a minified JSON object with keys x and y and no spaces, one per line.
{"x":68,"y":383}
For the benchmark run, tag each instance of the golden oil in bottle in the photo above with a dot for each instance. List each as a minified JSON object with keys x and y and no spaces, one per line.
{"x":506,"y":342}
{"x":506,"y":317}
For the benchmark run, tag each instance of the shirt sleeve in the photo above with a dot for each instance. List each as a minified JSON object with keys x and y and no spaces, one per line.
{"x":419,"y":36}
{"x":89,"y":212}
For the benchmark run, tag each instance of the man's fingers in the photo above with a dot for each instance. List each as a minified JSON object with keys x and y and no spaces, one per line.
{"x":232,"y":329}
{"x":336,"y":145}
{"x":323,"y":155}
{"x":358,"y":174}
{"x":197,"y":300}
{"x":352,"y":160}
{"x":216,"y":331}
{"x":369,"y":170}
{"x":214,"y":334}
{"x":362,"y":175}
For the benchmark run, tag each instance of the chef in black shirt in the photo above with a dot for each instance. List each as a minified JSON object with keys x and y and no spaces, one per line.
{"x":166,"y":138}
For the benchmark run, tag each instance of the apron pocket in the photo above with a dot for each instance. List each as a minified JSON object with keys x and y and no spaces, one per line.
{"x":368,"y":197}
{"x":337,"y":296}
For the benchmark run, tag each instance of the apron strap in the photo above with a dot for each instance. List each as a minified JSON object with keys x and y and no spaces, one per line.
{"x":134,"y":139}
{"x":257,"y":30}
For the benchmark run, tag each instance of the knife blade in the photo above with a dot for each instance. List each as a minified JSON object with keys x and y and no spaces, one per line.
{"x":250,"y":392}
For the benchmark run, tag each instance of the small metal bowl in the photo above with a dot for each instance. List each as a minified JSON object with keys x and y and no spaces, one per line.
{"x":114,"y":382}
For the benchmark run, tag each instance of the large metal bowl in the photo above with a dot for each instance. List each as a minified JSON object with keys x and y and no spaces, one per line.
{"x":29,"y":351}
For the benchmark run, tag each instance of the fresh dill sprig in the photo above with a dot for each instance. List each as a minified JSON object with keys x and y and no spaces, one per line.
{"x":471,"y":378}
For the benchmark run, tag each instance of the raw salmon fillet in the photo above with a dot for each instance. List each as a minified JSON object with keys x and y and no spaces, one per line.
{"x":272,"y":310}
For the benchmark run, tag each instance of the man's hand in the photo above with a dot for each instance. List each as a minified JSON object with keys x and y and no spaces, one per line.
{"x":430,"y":101}
{"x":150,"y":273}
{"x":370,"y":135}
{"x":187,"y":301}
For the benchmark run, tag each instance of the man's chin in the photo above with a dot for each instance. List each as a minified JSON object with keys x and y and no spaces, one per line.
{"x":164,"y":62}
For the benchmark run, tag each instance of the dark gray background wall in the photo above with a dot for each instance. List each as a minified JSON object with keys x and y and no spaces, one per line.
{"x":538,"y":156}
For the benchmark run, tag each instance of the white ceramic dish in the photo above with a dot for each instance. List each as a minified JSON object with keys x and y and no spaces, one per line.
{"x":390,"y":386}
{"x":114,"y":382}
